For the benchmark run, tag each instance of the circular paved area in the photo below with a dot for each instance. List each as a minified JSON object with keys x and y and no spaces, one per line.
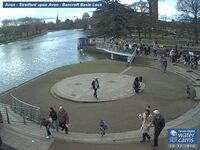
{"x":78,"y":88}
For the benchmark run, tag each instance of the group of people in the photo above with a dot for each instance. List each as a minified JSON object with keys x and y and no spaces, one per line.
{"x":61,"y":119}
{"x":143,"y":49}
{"x":151,"y":120}
{"x":56,"y":120}
{"x":188,"y":59}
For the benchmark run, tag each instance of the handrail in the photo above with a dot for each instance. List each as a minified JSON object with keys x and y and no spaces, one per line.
{"x":113,"y":47}
{"x":24,"y":102}
{"x":25,"y":110}
{"x":117,"y":49}
{"x":132,"y":57}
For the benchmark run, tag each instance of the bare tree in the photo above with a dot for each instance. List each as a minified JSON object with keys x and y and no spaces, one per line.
{"x":191,"y":11}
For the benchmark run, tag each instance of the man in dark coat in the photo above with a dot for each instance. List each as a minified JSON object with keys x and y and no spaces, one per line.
{"x":95,"y":86}
{"x":159,"y":124}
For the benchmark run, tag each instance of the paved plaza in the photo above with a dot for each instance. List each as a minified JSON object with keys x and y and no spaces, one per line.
{"x":113,"y":86}
{"x":162,"y":91}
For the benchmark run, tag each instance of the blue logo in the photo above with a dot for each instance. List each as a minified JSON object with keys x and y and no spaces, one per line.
{"x":182,"y":138}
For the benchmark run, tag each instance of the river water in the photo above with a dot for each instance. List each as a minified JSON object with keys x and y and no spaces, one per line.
{"x":24,"y":60}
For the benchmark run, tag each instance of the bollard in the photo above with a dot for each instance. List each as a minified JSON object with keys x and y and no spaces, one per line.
{"x":24,"y":117}
{"x":8,"y":120}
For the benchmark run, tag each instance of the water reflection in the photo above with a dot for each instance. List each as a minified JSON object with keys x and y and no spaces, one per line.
{"x":23,"y":60}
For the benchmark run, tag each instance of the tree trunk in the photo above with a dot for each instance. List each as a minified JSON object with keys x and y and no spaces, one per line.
{"x":139,"y":33}
{"x":196,"y":35}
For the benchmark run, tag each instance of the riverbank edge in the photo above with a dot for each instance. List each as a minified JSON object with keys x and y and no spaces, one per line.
{"x":26,"y":38}
{"x":37,"y":77}
{"x":34,"y":36}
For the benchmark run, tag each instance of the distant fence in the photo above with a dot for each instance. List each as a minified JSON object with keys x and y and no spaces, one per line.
{"x":121,"y":50}
{"x":130,"y":59}
{"x":114,"y":47}
{"x":30,"y":112}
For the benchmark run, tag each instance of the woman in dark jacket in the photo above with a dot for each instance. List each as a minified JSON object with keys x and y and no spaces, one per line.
{"x":136,"y":85}
{"x":53,"y":118}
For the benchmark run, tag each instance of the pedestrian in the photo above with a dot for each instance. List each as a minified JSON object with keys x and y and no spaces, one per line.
{"x":103,"y":126}
{"x":146,"y":118}
{"x":136,"y":85}
{"x":155,"y":53}
{"x":53,"y":118}
{"x":188,"y":92}
{"x":95,"y":86}
{"x":196,"y":59}
{"x":46,"y":123}
{"x":163,"y":63}
{"x":159,"y":124}
{"x":63,"y":119}
{"x":192,"y":63}
{"x":0,"y":142}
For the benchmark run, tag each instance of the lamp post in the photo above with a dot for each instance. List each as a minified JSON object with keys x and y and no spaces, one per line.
{"x":150,"y":17}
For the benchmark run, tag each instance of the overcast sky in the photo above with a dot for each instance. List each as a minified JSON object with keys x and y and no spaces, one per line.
{"x":166,"y":7}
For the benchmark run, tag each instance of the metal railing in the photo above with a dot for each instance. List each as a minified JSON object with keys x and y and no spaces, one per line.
{"x":114,"y":47}
{"x":7,"y":115}
{"x":27,"y":111}
{"x":131,"y":58}
{"x":122,"y":49}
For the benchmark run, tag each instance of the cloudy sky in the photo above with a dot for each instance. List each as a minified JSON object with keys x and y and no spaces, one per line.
{"x":166,"y":8}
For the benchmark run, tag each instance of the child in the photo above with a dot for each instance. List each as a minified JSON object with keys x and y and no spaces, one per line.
{"x":46,"y":123}
{"x":188,"y":91}
{"x":103,"y":127}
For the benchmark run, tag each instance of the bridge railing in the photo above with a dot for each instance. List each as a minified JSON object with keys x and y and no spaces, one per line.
{"x":114,"y":47}
{"x":30,"y":112}
{"x":131,"y":58}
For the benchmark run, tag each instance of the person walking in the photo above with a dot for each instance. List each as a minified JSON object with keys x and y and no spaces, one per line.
{"x":0,"y":142}
{"x":63,"y":119}
{"x":103,"y":126}
{"x":159,"y":124}
{"x":53,"y":118}
{"x":46,"y":123}
{"x":95,"y":86}
{"x":188,"y":91}
{"x":146,"y":118}
{"x":163,"y":63}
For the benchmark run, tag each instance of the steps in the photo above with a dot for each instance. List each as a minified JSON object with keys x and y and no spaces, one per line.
{"x":13,"y":117}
